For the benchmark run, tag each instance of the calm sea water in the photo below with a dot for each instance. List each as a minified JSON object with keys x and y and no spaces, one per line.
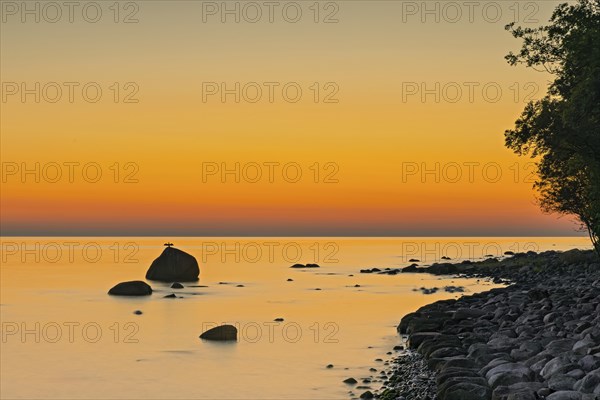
{"x":64,"y":337}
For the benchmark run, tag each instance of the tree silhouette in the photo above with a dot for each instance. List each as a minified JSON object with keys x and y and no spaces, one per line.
{"x":562,"y":130}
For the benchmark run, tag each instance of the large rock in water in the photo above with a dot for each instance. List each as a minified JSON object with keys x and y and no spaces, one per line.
{"x":223,"y":332}
{"x":174,"y":265}
{"x":131,"y":288}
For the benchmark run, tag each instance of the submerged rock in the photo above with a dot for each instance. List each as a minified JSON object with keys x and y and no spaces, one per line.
{"x":176,"y":285}
{"x":220,"y":333}
{"x":174,"y":265}
{"x":131,"y":288}
{"x":453,"y":289}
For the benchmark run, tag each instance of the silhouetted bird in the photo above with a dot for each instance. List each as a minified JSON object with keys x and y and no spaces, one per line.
{"x":168,"y":244}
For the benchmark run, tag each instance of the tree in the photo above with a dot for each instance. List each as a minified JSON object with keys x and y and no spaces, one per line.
{"x":562,"y":130}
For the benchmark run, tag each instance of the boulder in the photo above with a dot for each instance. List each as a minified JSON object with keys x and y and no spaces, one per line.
{"x":417,"y":338}
{"x":442,"y":269}
{"x":561,"y":382}
{"x":508,"y":374}
{"x":558,"y":365}
{"x":367,"y":395}
{"x":467,"y":391}
{"x":131,"y":288}
{"x":588,"y":384}
{"x":220,"y":333}
{"x":468,"y":313}
{"x":174,"y":265}
{"x":565,"y":395}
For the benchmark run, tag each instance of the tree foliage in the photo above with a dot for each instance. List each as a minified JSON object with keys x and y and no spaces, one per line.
{"x":562,"y":130}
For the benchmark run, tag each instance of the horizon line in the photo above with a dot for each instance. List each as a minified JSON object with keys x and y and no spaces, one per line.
{"x":300,"y":236}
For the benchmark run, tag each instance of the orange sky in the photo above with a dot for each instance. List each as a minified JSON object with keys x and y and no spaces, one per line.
{"x":361,"y":157}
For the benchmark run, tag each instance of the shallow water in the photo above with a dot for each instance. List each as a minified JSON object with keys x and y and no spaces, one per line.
{"x":64,"y":337}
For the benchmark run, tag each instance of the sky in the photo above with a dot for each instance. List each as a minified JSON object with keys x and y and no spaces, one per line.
{"x":346,"y":118}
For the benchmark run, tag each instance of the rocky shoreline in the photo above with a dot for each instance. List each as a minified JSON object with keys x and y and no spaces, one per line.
{"x":538,"y":338}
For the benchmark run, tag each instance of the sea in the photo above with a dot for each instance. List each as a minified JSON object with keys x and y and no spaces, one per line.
{"x":64,"y":337}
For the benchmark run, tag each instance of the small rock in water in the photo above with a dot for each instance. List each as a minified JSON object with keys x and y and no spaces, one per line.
{"x":239,"y":285}
{"x":131,"y":288}
{"x":367,"y":395}
{"x":170,"y":296}
{"x":290,"y":280}
{"x":305,"y":266}
{"x":329,"y":366}
{"x":414,"y":260}
{"x":278,"y":320}
{"x":138,"y":312}
{"x":429,"y":290}
{"x":317,"y":288}
{"x":221,"y":333}
{"x":350,"y":381}
{"x":176,"y":285}
{"x":357,"y":285}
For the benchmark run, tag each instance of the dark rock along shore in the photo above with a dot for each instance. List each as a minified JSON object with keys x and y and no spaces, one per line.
{"x":538,"y":338}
